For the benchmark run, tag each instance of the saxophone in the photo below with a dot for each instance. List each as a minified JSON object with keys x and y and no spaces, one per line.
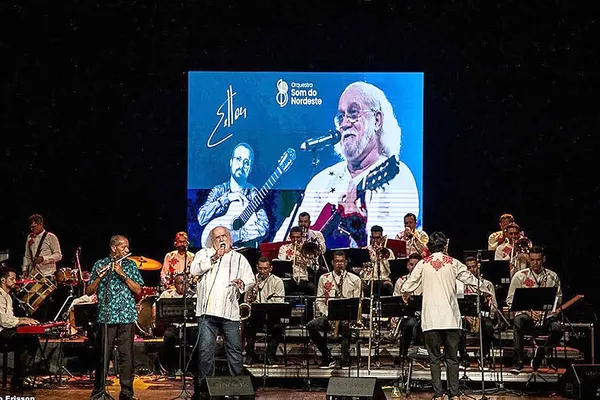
{"x":251,"y":295}
{"x":335,"y":325}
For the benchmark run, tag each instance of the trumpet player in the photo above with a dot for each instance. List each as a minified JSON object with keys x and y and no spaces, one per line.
{"x":267,"y":289}
{"x":525,"y":322}
{"x":300,"y":282}
{"x":498,"y":237}
{"x":309,"y":234}
{"x":416,"y":239}
{"x":472,"y":323}
{"x":380,"y":256}
{"x":336,"y":284}
{"x":514,"y":249}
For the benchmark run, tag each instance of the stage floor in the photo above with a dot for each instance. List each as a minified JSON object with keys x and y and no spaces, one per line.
{"x":158,"y":388}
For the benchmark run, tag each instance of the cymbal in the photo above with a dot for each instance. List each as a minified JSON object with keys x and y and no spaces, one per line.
{"x":145,"y":263}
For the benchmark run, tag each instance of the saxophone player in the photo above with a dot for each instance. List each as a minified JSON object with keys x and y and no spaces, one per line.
{"x":336,"y":284}
{"x":267,"y":289}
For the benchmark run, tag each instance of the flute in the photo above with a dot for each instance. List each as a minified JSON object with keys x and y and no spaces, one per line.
{"x":112,"y":263}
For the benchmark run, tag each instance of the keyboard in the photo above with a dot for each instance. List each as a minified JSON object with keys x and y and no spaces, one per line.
{"x":41,"y":329}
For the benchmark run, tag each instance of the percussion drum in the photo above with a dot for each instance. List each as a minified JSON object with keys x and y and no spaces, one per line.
{"x":67,"y":276}
{"x":146,"y":318}
{"x":34,"y":293}
{"x":146,"y":291}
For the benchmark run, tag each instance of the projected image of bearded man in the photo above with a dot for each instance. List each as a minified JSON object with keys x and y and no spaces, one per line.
{"x":369,"y":146}
{"x":227,"y":201}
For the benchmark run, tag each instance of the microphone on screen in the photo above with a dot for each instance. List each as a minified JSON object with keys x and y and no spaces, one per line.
{"x":321,"y":142}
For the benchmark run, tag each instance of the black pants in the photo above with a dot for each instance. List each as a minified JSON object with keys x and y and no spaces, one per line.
{"x":450,"y":339}
{"x":322,"y":324}
{"x":24,"y":347}
{"x":274,"y":338}
{"x":524,"y":324}
{"x":123,"y":335}
{"x":487,"y":332}
{"x":411,"y":330}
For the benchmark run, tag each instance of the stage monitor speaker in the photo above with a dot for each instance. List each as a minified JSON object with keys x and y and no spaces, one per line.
{"x":221,"y":386}
{"x":582,"y":381}
{"x":354,"y":388}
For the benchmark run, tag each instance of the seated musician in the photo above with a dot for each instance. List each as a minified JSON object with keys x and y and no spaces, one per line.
{"x":174,"y":262}
{"x":336,"y":284}
{"x":267,"y":289}
{"x":526,"y":322}
{"x":380,"y":256}
{"x":470,"y":322}
{"x":510,"y":249}
{"x":300,"y":282}
{"x":24,"y":346}
{"x":168,"y":354}
{"x":416,"y":239}
{"x":410,"y":326}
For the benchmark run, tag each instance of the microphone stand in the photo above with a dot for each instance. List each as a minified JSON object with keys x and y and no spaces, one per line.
{"x":481,"y":357}
{"x":104,"y":394}
{"x":184,"y":394}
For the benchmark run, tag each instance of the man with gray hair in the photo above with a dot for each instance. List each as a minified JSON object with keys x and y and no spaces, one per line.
{"x":370,"y":186}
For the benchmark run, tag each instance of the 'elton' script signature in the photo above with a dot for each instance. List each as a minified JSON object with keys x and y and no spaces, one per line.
{"x":226,"y":118}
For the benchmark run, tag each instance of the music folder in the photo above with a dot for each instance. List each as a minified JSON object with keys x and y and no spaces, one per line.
{"x":342,"y":309}
{"x":282,"y":268}
{"x":537,"y":299}
{"x":397,"y":246}
{"x":394,"y":306}
{"x":468,"y":305}
{"x":496,"y":271}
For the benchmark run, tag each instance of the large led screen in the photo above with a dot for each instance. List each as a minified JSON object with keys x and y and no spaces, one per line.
{"x":264,"y":147}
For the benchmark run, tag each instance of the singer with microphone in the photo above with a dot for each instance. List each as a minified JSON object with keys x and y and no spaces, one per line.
{"x":115,"y":279}
{"x":370,"y":185}
{"x":224,"y":275}
{"x":267,"y":289}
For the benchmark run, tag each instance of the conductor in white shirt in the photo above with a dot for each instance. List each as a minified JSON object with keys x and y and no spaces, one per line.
{"x":440,"y":315}
{"x":224,"y":276}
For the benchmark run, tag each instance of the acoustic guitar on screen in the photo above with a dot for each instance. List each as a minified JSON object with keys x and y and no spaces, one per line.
{"x":242,"y":213}
{"x":331,"y":219}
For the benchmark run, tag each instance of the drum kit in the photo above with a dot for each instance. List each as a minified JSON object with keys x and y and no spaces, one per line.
{"x":36,"y":288}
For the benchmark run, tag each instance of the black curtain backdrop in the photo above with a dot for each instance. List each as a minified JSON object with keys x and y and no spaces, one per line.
{"x":94,"y":112}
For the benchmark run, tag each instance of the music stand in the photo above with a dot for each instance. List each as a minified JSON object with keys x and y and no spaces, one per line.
{"x":345,"y":310}
{"x":397,"y":246}
{"x":398,"y":268}
{"x":172,"y":310}
{"x":268,"y":315}
{"x":394,"y":307}
{"x":468,"y":305}
{"x":485,"y":254}
{"x":496,"y":271}
{"x":538,"y":299}
{"x":282,"y":268}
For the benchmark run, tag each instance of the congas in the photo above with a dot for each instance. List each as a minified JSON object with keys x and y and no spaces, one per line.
{"x":67,"y":276}
{"x":34,"y":294}
{"x":145,"y":322}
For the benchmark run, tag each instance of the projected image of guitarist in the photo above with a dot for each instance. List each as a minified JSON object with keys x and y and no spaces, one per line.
{"x":232,"y":198}
{"x":370,"y":184}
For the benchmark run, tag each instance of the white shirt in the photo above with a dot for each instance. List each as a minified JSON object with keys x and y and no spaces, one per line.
{"x":329,"y":287}
{"x":217,"y":296}
{"x":175,"y":263}
{"x":493,"y":240}
{"x":397,"y":292}
{"x":506,"y":251}
{"x":50,"y":251}
{"x":528,"y":279}
{"x":271,"y":290}
{"x":299,"y":266}
{"x":438,"y":274}
{"x":7,"y":315}
{"x":384,"y":267}
{"x":416,"y":244}
{"x":386,"y":207}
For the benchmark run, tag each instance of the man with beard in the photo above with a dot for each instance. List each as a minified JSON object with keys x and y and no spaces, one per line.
{"x":370,"y":142}
{"x":231,"y":198}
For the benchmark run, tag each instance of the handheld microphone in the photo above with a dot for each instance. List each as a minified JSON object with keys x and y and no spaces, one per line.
{"x":222,"y":245}
{"x":321,"y":142}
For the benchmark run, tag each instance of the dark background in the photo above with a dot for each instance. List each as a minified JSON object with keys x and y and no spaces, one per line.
{"x":94,"y":112}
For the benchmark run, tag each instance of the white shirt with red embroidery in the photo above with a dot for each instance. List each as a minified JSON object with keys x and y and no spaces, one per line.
{"x":416,"y":244}
{"x":506,"y":252}
{"x":437,"y":274}
{"x":332,"y":285}
{"x":299,"y":267}
{"x":529,"y":279}
{"x":493,"y":240}
{"x":174,"y":263}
